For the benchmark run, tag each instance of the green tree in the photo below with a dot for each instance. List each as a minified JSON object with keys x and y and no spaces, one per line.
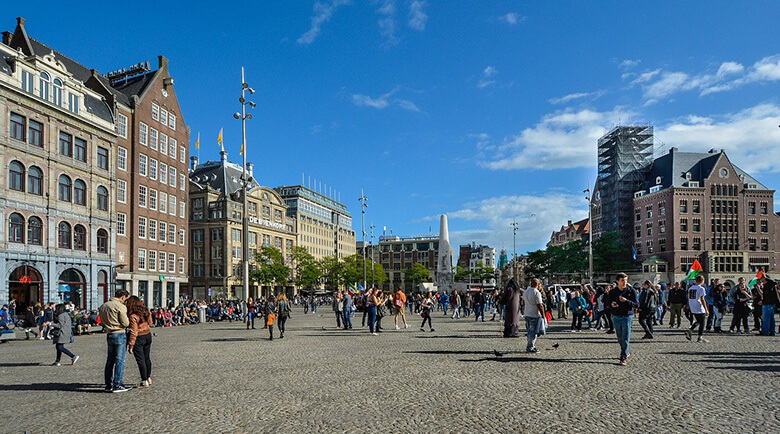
{"x":331,"y":269}
{"x":270,"y":267}
{"x":462,"y":274}
{"x":418,"y":273}
{"x":307,"y":271}
{"x":352,"y":271}
{"x":538,"y":263}
{"x":611,"y":254}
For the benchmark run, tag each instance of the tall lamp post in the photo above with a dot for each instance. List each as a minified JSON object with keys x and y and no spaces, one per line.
{"x":590,"y":235}
{"x":243,"y":116}
{"x":363,"y":206}
{"x":514,"y":251}
{"x":372,"y":252}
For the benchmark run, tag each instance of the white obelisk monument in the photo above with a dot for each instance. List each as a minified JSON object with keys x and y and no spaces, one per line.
{"x":444,"y":277}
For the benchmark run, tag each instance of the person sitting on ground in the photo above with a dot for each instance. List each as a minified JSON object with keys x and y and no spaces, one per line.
{"x":82,"y":325}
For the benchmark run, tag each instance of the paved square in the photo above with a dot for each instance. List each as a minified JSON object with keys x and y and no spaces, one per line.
{"x":222,"y":378}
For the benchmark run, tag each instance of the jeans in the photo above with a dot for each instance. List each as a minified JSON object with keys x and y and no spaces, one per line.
{"x":718,"y":318}
{"x":62,"y":350}
{"x":623,"y":332}
{"x":479,"y":311}
{"x":711,"y":316}
{"x":250,"y":320}
{"x":768,"y":327}
{"x":646,"y":321}
{"x":339,"y":315}
{"x":371,"y":310}
{"x":531,"y":323}
{"x":141,"y":350}
{"x":444,"y":307}
{"x":347,"y":319}
{"x":115,"y":361}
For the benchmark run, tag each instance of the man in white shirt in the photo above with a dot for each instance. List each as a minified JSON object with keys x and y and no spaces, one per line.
{"x":534,"y":309}
{"x":561,"y":297}
{"x":698,"y":307}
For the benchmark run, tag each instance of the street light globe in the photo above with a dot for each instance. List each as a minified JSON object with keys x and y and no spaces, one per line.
{"x":237,"y":115}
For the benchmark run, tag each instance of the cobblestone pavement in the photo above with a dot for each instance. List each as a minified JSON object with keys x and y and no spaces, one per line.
{"x":222,"y":378}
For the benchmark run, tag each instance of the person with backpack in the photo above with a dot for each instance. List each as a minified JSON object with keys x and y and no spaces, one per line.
{"x":648,"y":301}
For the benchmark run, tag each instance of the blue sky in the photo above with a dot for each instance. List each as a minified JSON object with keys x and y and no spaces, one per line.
{"x":486,"y":111}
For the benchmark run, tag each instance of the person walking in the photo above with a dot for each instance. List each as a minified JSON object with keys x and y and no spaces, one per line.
{"x":456,"y":307}
{"x":512,"y":296}
{"x":623,"y":301}
{"x":757,"y":295}
{"x":578,"y":308}
{"x":113,"y":318}
{"x":347,"y":310}
{"x":270,"y":315}
{"x":648,"y":301}
{"x":677,"y":298}
{"x":534,"y":310}
{"x":370,"y":311}
{"x":663,"y":302}
{"x":770,"y":298}
{"x":62,"y":334}
{"x":742,"y":300}
{"x":284,"y":309}
{"x":698,"y":308}
{"x":139,"y":340}
{"x":29,"y":324}
{"x":399,"y":300}
{"x":381,"y":308}
{"x":427,"y":308}
{"x":719,"y":302}
{"x":444,"y":301}
{"x":251,"y":312}
{"x":337,"y":308}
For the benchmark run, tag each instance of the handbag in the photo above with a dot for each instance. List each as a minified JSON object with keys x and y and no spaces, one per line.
{"x":271,"y":319}
{"x":541,"y":326}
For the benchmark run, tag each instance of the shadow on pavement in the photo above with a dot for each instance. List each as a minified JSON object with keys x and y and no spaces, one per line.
{"x":748,"y":361}
{"x":600,"y":361}
{"x":12,"y":365}
{"x":236,"y":339}
{"x":64,"y":387}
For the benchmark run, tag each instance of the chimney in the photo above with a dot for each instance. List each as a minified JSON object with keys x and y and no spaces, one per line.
{"x":194,"y":163}
{"x":7,"y":36}
{"x":249,"y":167}
{"x":569,"y":224}
{"x":162,"y":62}
{"x":223,"y":155}
{"x":672,"y":150}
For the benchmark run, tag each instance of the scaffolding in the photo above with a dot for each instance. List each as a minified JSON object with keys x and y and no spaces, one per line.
{"x":624,"y":155}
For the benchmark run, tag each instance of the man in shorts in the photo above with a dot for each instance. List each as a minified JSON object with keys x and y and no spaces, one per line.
{"x":399,"y":301}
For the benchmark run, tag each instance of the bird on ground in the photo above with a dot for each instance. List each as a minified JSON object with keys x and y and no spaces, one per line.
{"x":556,"y":345}
{"x":497,"y":354}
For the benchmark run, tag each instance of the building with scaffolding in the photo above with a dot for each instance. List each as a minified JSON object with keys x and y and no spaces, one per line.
{"x":624,"y":155}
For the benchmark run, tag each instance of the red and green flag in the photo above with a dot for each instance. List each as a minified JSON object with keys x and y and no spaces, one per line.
{"x":757,"y":278}
{"x":695,"y":270}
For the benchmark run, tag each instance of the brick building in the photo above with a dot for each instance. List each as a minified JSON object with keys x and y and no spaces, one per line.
{"x":570,"y":232}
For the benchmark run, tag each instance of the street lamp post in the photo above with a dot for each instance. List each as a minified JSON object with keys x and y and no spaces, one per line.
{"x":243,"y":116}
{"x":372,"y":253}
{"x":590,"y":235}
{"x":363,"y":206}
{"x":514,"y":250}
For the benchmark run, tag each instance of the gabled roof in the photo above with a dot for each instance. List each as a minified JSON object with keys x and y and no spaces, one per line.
{"x":673,"y":167}
{"x":135,"y":85}
{"x":222,"y":176}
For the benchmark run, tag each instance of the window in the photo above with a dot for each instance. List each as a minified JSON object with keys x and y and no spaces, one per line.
{"x":649,"y":230}
{"x":163,"y":257}
{"x":35,"y":133}
{"x":153,"y":139}
{"x":197,"y":235}
{"x":27,"y":81}
{"x":752,"y":243}
{"x":182,"y":154}
{"x":57,"y":95}
{"x":164,"y":117}
{"x":163,"y":231}
{"x":752,"y":226}
{"x":43,"y":86}
{"x":638,"y":229}
{"x":34,"y":231}
{"x":172,"y":234}
{"x":751,"y":207}
{"x":683,"y":205}
{"x":79,"y":238}
{"x":102,"y":198}
{"x":182,"y":181}
{"x":73,"y":103}
{"x":638,"y":214}
{"x":216,"y":234}
{"x":153,"y":169}
{"x":661,"y":209}
{"x":173,"y":146}
{"x":683,"y":225}
{"x":121,"y":125}
{"x":142,"y":259}
{"x":696,"y":243}
{"x":63,"y":235}
{"x":16,"y":176}
{"x":80,"y":149}
{"x":102,"y":241}
{"x":696,"y":206}
{"x":172,"y":121}
{"x":16,"y":228}
{"x":662,"y":226}
{"x":181,"y":237}
{"x":172,"y":177}
{"x":163,"y":202}
{"x":142,"y":193}
{"x":181,"y":265}
{"x":684,"y":243}
{"x":34,"y":181}
{"x":181,"y":209}
{"x":172,"y":205}
{"x":152,"y":264}
{"x":163,"y":173}
{"x":163,"y":144}
{"x":121,"y":158}
{"x":649,"y":246}
{"x":764,"y":244}
{"x":121,"y":224}
{"x":80,"y":192}
{"x":143,"y":164}
{"x":141,"y":227}
{"x":17,"y":126}
{"x":64,"y":188}
{"x":649,"y":209}
{"x":697,"y":225}
{"x":152,"y":233}
{"x":155,"y":112}
{"x":143,"y":133}
{"x":102,"y":159}
{"x":764,"y":207}
{"x":764,"y":226}
{"x":153,"y":199}
{"x":66,"y":144}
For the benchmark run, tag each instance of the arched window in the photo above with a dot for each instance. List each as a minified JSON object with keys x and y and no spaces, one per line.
{"x":34,"y":180}
{"x":65,"y":188}
{"x":102,"y":198}
{"x":102,"y":241}
{"x":57,"y":95}
{"x":44,"y":86}
{"x":34,"y":229}
{"x":16,"y":176}
{"x":79,"y":192}
{"x":79,"y":238}
{"x":63,"y":235}
{"x":16,"y":228}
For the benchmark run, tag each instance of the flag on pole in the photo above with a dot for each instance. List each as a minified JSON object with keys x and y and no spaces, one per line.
{"x":241,"y":152}
{"x":695,"y":270}
{"x":197,"y":142}
{"x":757,"y":278}
{"x":219,"y":139}
{"x":633,"y":253}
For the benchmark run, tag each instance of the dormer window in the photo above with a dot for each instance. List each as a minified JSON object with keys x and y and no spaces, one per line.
{"x":73,"y":103}
{"x":27,"y":81}
{"x":688,"y":176}
{"x":43,"y":88}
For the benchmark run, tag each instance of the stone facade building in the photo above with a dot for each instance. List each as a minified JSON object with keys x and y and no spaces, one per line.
{"x":399,"y":253}
{"x":570,"y":232}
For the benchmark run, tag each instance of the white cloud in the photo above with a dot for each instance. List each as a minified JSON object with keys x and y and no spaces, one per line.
{"x":407,"y":105}
{"x":367,"y":101}
{"x":765,"y":70}
{"x":749,"y":137}
{"x":494,"y":215}
{"x":629,"y":63}
{"x":512,"y":18}
{"x":490,"y":71}
{"x":417,"y":16}
{"x":574,"y":96}
{"x":561,"y":140}
{"x":384,"y":101}
{"x":387,"y":21}
{"x":322,"y":13}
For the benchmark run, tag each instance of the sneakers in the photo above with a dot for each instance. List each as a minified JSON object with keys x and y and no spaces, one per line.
{"x":532,"y":350}
{"x":74,"y":360}
{"x":397,"y":328}
{"x":433,"y":330}
{"x":149,"y":380}
{"x":56,"y":364}
{"x":622,"y":362}
{"x":688,"y":334}
{"x":144,"y":384}
{"x":422,"y":329}
{"x":108,"y":389}
{"x":374,"y":334}
{"x":702,"y":340}
{"x":406,"y":326}
{"x":120,"y":389}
